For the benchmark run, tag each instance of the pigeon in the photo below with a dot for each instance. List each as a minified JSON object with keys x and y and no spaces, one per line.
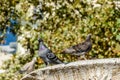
{"x":80,"y":49}
{"x":28,"y":67}
{"x":47,"y":55}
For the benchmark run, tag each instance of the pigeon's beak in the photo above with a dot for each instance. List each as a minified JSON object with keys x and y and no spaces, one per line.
{"x":40,"y":40}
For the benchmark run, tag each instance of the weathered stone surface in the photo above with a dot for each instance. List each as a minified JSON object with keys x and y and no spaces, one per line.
{"x":99,"y":69}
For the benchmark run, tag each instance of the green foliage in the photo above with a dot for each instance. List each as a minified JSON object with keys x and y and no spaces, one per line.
{"x":65,"y":23}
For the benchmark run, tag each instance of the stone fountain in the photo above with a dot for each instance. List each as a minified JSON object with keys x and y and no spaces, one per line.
{"x":99,"y":69}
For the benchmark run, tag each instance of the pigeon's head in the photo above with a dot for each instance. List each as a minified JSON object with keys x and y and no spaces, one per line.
{"x":40,"y":40}
{"x":88,"y":36}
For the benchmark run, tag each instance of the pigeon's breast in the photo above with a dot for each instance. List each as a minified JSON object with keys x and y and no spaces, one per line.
{"x":43,"y":52}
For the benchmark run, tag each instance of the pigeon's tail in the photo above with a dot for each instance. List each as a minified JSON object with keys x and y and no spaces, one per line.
{"x":59,"y":61}
{"x":68,"y":51}
{"x":62,"y":52}
{"x":65,"y":51}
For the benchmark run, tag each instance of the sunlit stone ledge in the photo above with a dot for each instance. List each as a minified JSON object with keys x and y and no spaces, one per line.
{"x":99,"y":69}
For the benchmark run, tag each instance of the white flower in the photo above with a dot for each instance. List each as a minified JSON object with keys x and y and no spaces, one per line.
{"x":30,"y":11}
{"x":76,"y":12}
{"x":53,"y":14}
{"x":96,"y":5}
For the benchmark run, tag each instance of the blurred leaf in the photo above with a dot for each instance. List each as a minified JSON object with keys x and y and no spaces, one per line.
{"x":118,"y":37}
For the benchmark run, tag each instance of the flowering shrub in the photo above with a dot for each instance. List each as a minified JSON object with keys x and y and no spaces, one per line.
{"x":62,"y":24}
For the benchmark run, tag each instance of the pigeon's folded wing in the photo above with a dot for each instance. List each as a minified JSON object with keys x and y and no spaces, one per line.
{"x":51,"y":56}
{"x":83,"y":47}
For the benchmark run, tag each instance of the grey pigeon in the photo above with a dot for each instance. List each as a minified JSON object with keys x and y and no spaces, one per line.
{"x":47,"y":55}
{"x":28,"y":67}
{"x":81,"y":48}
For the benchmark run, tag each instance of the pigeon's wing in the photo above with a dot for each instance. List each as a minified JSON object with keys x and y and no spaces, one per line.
{"x":53,"y":58}
{"x":83,"y":47}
